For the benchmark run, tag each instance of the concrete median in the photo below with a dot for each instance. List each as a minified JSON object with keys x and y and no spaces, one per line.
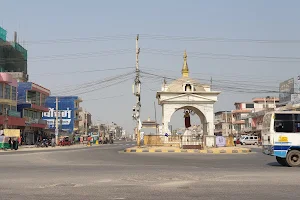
{"x":220,"y":150}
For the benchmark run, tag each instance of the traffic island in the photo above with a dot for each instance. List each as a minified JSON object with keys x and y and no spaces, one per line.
{"x":219,"y":150}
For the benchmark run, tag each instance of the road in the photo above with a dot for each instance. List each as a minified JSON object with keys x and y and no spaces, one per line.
{"x":104,"y":173}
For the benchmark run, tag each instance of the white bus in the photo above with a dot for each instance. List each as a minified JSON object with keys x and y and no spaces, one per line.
{"x":281,"y":137}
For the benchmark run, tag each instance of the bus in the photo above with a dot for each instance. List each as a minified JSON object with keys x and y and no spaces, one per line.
{"x":281,"y":137}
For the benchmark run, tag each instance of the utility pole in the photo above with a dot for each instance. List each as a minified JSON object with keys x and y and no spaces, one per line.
{"x":211,"y":82}
{"x":226,"y":122}
{"x":56,"y":121}
{"x":155,"y":118}
{"x":5,"y":118}
{"x":137,"y":93}
{"x":85,"y":116}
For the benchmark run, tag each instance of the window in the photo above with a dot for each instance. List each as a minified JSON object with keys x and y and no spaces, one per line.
{"x":7,"y":91}
{"x":25,"y":113}
{"x":251,"y":138}
{"x":285,"y":117}
{"x":1,"y":109}
{"x":43,"y":99}
{"x":284,"y":126}
{"x":38,"y":99}
{"x":297,"y":117}
{"x":249,"y":105}
{"x":14,"y":108}
{"x":1,"y":90}
{"x":297,"y":126}
{"x":13,"y":93}
{"x":30,"y":97}
{"x":188,"y":87}
{"x":6,"y":107}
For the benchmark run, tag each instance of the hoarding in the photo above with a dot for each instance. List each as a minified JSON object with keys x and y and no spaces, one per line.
{"x":286,"y":89}
{"x":66,"y":113}
{"x":12,"y":132}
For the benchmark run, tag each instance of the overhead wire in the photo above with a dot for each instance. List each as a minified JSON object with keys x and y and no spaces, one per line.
{"x":228,"y":88}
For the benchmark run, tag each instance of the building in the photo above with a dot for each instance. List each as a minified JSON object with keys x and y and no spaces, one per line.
{"x":149,"y":127}
{"x":9,"y":117}
{"x":13,"y":57}
{"x":31,"y":105}
{"x":68,"y":113}
{"x":223,"y":123}
{"x":241,"y":116}
{"x":85,"y":122}
{"x":255,"y":119}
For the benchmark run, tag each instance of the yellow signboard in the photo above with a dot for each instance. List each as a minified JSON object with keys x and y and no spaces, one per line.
{"x":12,"y":132}
{"x":283,"y":139}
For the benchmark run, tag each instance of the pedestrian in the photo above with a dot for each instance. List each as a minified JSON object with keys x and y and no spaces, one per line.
{"x":234,"y":141}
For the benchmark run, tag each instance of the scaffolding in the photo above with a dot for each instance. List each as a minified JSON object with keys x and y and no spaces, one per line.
{"x":3,"y":34}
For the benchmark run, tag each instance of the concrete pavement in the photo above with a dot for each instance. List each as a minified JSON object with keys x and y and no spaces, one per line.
{"x":103,"y":173}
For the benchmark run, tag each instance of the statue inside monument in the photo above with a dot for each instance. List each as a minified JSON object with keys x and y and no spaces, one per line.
{"x":187,"y":119}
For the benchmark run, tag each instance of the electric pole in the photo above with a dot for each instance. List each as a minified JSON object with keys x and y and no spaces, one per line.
{"x":137,"y":93}
{"x":5,"y":118}
{"x":56,"y":121}
{"x":85,"y":116}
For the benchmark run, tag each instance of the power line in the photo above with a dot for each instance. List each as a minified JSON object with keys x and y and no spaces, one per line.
{"x":220,"y":39}
{"x":84,"y":71}
{"x":224,"y":56}
{"x":74,"y":40}
{"x":229,"y":88}
{"x":67,"y":56}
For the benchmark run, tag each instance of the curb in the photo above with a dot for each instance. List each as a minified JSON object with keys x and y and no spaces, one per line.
{"x":209,"y":151}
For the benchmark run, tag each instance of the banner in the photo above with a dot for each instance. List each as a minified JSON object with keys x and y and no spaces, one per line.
{"x":12,"y":132}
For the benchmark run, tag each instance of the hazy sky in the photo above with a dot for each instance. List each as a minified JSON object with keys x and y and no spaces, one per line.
{"x":69,"y":36}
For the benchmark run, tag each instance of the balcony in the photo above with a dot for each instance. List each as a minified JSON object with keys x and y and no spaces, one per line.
{"x":13,"y":113}
{"x":78,"y":118}
{"x":242,"y":111}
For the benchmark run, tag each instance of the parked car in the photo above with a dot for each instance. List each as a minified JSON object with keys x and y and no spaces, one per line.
{"x":249,"y":140}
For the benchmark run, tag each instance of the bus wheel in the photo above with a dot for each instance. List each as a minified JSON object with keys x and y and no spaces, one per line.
{"x":293,"y":158}
{"x":281,"y":161}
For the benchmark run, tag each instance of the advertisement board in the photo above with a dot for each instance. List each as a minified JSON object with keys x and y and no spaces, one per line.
{"x":12,"y":132}
{"x":286,"y":89}
{"x":66,"y":113}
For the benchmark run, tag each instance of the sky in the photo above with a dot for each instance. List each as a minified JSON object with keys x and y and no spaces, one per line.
{"x":74,"y":42}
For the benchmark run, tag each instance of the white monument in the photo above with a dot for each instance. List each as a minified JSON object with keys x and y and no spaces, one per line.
{"x":188,"y":94}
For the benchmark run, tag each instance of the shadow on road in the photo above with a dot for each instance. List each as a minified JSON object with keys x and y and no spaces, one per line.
{"x":274,"y":164}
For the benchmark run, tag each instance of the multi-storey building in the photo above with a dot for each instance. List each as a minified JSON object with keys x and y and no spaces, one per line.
{"x":223,"y":123}
{"x":85,"y":122}
{"x":13,"y":57}
{"x":241,"y":120}
{"x":68,"y":113}
{"x":31,"y":105}
{"x":255,"y":119}
{"x":9,"y":117}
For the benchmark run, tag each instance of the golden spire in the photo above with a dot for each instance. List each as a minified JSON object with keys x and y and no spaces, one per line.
{"x":185,"y":68}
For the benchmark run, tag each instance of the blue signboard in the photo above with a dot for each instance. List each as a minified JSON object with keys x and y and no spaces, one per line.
{"x":66,"y":112}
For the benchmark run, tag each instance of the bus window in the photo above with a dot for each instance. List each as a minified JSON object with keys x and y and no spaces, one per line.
{"x":283,"y":126}
{"x":297,"y":126}
{"x":283,"y":117}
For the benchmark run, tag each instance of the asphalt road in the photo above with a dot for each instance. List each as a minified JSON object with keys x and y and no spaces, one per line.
{"x":104,"y":173}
